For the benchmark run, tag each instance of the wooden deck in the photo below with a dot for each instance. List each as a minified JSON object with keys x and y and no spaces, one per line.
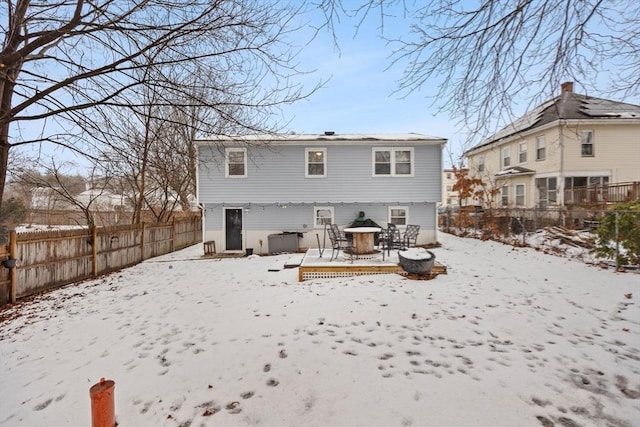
{"x":314,"y":266}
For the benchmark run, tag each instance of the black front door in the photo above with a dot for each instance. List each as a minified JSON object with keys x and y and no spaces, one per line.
{"x":233,"y":229}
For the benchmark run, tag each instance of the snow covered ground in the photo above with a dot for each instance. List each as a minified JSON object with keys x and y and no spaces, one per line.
{"x":509,"y":337}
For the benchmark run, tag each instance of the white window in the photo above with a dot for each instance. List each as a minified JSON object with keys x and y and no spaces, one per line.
{"x":480,"y":163}
{"x":448,"y":175}
{"x":540,"y":148}
{"x":315,"y":162}
{"x":393,"y":161}
{"x":506,"y":157}
{"x":522,"y":152}
{"x":398,"y":215}
{"x":236,"y":164}
{"x":586,"y":143}
{"x":520,"y":195}
{"x":504,"y":196}
{"x":547,"y":191}
{"x":449,"y":187}
{"x":322,"y":215}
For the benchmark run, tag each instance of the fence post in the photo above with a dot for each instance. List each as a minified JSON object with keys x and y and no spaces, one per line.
{"x":617,"y":241}
{"x":94,"y":250}
{"x":13,"y":250}
{"x":142,"y":241}
{"x":173,"y":234}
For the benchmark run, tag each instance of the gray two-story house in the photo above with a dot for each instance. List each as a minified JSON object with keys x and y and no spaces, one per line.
{"x":254,"y":186}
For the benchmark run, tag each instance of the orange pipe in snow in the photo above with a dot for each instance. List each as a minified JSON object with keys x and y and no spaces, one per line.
{"x":102,"y":404}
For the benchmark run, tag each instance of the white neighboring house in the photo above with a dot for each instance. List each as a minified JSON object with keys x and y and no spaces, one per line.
{"x":573,"y":149}
{"x":101,"y":200}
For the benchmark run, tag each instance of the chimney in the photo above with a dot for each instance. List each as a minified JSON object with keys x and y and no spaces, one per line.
{"x":566,"y":87}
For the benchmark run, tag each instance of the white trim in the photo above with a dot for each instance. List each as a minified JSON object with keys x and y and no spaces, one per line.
{"x":306,"y":161}
{"x":593,"y":142}
{"x":392,"y":151}
{"x":525,"y":151}
{"x":226,"y":162}
{"x":224,"y":230}
{"x":315,"y":217}
{"x":524,"y":195}
{"x":538,"y":147}
{"x":406,"y":215}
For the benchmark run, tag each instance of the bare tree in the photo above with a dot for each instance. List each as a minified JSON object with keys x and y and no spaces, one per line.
{"x":59,"y":59}
{"x":484,"y":54}
{"x":61,"y":189}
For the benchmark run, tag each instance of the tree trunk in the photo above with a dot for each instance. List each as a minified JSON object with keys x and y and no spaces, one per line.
{"x":4,"y":158}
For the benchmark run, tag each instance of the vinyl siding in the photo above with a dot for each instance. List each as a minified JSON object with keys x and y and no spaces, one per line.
{"x":260,"y":221}
{"x":277,"y":174}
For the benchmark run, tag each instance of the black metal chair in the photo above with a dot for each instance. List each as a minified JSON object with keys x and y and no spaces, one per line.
{"x":391,"y":239}
{"x":411,"y":235}
{"x":339,"y":242}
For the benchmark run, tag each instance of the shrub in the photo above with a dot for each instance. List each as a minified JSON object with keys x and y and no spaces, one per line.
{"x":627,"y":236}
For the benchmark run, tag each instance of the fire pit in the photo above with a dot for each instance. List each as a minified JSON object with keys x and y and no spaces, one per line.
{"x":416,"y":260}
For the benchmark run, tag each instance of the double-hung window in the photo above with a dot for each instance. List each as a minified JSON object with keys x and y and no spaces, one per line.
{"x":480,"y":163}
{"x":236,"y":164}
{"x":315,"y":162}
{"x":504,"y":196}
{"x":393,"y":162}
{"x":398,"y":215}
{"x":540,"y":148}
{"x":586,"y":143}
{"x":506,"y":157}
{"x":522,"y":152}
{"x":322,"y":215}
{"x":520,"y":195}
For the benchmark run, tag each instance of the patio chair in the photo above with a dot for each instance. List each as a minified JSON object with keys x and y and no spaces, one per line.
{"x":391,"y":239}
{"x":339,"y":242}
{"x":411,"y":235}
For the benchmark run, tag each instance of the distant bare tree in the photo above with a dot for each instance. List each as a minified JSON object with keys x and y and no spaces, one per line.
{"x":484,"y":54}
{"x":60,"y":59}
{"x":60,"y":186}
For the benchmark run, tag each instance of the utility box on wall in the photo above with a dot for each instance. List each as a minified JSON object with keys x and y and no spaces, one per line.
{"x":283,"y":242}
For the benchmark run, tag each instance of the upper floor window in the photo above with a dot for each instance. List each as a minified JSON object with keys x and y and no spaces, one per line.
{"x":520,"y":195}
{"x":322,"y":215}
{"x":448,"y":175}
{"x":398,"y":215}
{"x":586,"y":143}
{"x":506,"y":157}
{"x":480,"y":163}
{"x":449,"y":187}
{"x":540,"y":148}
{"x":522,"y":152}
{"x":393,"y":161}
{"x":316,"y":162}
{"x":504,"y":196}
{"x":236,"y":164}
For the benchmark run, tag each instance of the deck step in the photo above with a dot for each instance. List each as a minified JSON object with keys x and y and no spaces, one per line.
{"x":294,"y":261}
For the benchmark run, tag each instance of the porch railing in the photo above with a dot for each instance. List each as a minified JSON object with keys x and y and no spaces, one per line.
{"x":603,"y":194}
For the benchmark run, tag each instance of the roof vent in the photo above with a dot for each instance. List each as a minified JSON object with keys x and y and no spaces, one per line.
{"x":329,"y":132}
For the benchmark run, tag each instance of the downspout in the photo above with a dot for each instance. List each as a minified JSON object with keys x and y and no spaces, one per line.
{"x":560,"y":184}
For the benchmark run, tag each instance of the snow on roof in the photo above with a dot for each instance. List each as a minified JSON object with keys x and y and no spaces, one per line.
{"x":515,"y":170}
{"x":327,"y":137}
{"x":568,"y":106}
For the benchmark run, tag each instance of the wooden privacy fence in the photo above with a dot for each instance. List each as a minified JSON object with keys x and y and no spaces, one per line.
{"x":48,"y":259}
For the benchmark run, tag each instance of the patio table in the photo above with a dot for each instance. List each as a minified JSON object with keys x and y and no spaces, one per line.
{"x":363,"y":239}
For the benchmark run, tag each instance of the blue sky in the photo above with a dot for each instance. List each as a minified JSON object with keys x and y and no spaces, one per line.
{"x":359,"y":95}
